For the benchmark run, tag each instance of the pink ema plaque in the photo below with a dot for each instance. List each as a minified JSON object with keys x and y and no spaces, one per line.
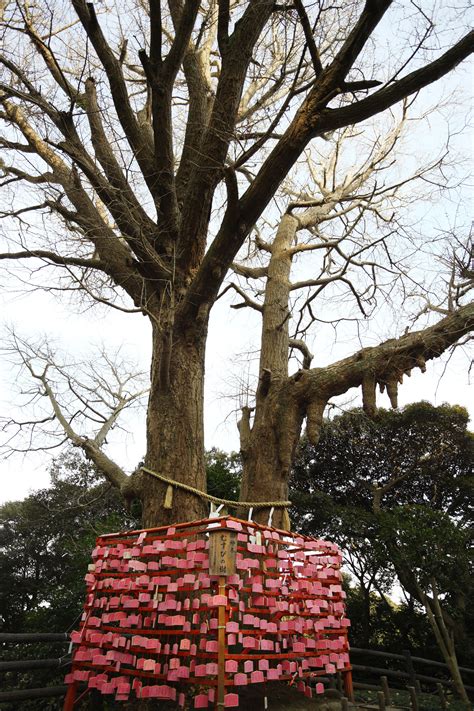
{"x":150,"y":623}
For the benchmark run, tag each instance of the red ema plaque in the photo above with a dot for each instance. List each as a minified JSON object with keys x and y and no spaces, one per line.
{"x":156,"y":599}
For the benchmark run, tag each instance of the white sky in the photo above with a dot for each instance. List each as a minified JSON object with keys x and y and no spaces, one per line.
{"x":231,"y":332}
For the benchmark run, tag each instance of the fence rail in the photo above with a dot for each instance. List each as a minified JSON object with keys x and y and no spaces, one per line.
{"x":26,"y":694}
{"x":18,"y":665}
{"x":361,"y":671}
{"x":28,"y":664}
{"x":403,"y":658}
{"x":405,"y":675}
{"x":11,"y":637}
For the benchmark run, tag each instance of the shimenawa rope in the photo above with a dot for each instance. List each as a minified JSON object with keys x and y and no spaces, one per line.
{"x":214,"y":499}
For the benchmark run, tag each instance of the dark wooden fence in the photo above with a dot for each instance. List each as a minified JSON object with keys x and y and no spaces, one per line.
{"x":406,"y":671}
{"x":61,"y":662}
{"x":377,"y":676}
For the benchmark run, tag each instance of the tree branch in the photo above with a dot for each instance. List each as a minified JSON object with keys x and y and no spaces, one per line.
{"x":137,"y":139}
{"x":250,"y":272}
{"x":175,"y":57}
{"x":113,"y":252}
{"x":196,"y":67}
{"x":304,"y":350}
{"x":245,"y":430}
{"x":107,"y":159}
{"x":50,"y":60}
{"x":370,"y":17}
{"x":161,"y":75}
{"x":311,"y":120}
{"x":56,"y":259}
{"x":308,"y":33}
{"x":107,"y":466}
{"x":331,"y":119}
{"x":217,"y":137}
{"x":223,"y":19}
{"x":247,"y":301}
{"x":393,"y":357}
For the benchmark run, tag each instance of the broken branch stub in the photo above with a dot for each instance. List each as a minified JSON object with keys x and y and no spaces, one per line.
{"x":314,"y":419}
{"x":369,"y":402}
{"x":392,"y":390}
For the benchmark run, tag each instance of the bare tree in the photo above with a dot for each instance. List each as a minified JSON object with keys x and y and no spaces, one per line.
{"x":362,"y":252}
{"x":152,"y":144}
{"x":70,"y":401}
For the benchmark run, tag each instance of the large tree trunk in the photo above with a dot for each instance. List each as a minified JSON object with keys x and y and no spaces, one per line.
{"x":268,"y":445}
{"x":267,"y":453}
{"x":175,"y":433}
{"x":283,"y":402}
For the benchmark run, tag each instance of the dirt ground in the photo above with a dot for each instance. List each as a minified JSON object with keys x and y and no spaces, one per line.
{"x":279,"y":698}
{"x":282,"y":698}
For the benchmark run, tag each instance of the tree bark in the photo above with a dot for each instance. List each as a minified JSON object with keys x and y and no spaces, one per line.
{"x":268,"y":446}
{"x":175,"y":432}
{"x":366,"y":616}
{"x":268,"y":453}
{"x":283,"y":402}
{"x":158,"y":245}
{"x":445,"y":640}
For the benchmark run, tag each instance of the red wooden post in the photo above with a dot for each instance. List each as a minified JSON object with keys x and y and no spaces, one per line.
{"x":70,"y":696}
{"x":348,"y":687}
{"x":222,"y":648}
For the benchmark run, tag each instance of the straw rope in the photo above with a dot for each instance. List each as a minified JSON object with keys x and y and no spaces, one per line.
{"x":215,"y":499}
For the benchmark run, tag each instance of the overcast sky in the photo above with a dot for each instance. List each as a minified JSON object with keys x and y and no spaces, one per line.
{"x":230,"y":332}
{"x":232,"y":335}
